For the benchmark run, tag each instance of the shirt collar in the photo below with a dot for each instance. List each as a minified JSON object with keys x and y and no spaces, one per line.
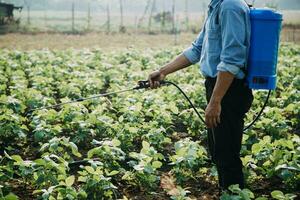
{"x":214,"y":3}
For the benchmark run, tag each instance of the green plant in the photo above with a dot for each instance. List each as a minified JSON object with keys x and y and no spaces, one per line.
{"x":276,"y":194}
{"x":128,"y":141}
{"x":189,"y":157}
{"x":146,"y":164}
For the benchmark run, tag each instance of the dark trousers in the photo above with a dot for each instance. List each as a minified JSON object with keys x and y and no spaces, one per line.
{"x":225,"y":140}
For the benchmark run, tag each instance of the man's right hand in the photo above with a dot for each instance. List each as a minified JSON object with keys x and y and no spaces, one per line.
{"x":178,"y":63}
{"x":154,"y":79}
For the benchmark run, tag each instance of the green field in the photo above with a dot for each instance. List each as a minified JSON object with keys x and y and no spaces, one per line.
{"x":137,"y":145}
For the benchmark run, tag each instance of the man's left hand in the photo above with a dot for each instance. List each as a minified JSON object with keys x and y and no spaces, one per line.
{"x":212,"y":114}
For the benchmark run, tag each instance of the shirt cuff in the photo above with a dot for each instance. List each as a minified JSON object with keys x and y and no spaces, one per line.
{"x":224,"y":67}
{"x":191,"y":54}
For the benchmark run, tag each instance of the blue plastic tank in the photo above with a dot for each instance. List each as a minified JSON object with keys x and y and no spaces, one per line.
{"x":262,"y":60}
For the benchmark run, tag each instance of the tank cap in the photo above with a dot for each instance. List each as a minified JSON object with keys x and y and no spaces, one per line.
{"x":265,"y":13}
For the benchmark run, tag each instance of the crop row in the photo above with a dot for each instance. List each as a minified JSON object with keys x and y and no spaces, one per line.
{"x":129,"y":141}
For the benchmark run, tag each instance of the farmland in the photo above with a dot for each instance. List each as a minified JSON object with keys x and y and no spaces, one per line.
{"x":146,"y":144}
{"x":107,"y":43}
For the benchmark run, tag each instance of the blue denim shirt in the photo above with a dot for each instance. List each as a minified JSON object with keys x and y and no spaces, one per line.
{"x":224,"y":40}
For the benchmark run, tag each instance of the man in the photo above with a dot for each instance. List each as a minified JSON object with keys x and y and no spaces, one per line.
{"x":222,"y":48}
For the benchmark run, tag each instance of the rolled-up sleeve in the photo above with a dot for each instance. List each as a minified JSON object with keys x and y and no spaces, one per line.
{"x":234,"y":51}
{"x":193,"y":53}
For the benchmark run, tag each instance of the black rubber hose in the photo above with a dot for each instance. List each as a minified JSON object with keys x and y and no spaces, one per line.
{"x":192,"y":105}
{"x":187,"y":98}
{"x":260,"y":113}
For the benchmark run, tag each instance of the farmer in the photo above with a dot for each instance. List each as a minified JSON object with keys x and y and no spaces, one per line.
{"x":221,"y":47}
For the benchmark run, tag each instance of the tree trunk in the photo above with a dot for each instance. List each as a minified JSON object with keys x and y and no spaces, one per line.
{"x":163,"y":17}
{"x":135,"y":24}
{"x":173,"y":16}
{"x":122,"y":28}
{"x":187,"y":15}
{"x":108,"y":18}
{"x":28,"y":15}
{"x":151,"y":15}
{"x":45,"y":13}
{"x":73,"y":17}
{"x":176,"y":30}
{"x":144,"y":13}
{"x":89,"y":17}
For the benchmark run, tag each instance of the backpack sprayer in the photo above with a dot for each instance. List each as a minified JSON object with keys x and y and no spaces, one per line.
{"x":262,"y":61}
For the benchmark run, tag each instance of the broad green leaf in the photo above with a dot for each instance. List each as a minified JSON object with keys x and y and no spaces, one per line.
{"x":277,"y":194}
{"x":146,"y":145}
{"x":139,"y":167}
{"x":11,"y":196}
{"x":40,"y":161}
{"x":82,"y":179}
{"x":17,"y":158}
{"x":255,"y":148}
{"x":90,"y":169}
{"x":156,"y":164}
{"x":51,"y":197}
{"x":92,"y":152}
{"x":44,"y":146}
{"x":37,"y":191}
{"x":261,"y":198}
{"x":70,"y":181}
{"x":132,"y":130}
{"x":82,"y":194}
{"x":167,"y":140}
{"x":38,"y":136}
{"x":173,"y":108}
{"x":74,"y":149}
{"x":112,"y":173}
{"x":116,"y":142}
{"x":121,"y":119}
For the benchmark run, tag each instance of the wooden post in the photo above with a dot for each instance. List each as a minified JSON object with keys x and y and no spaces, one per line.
{"x":73,"y":17}
{"x":45,"y":13}
{"x":28,"y":15}
{"x":121,"y":29}
{"x":27,"y":4}
{"x":135,"y":25}
{"x":176,"y":30}
{"x":89,"y":17}
{"x":108,"y":17}
{"x":187,"y":15}
{"x":144,"y":13}
{"x":294,"y":33}
{"x":163,"y":17}
{"x":173,"y":17}
{"x":151,"y":15}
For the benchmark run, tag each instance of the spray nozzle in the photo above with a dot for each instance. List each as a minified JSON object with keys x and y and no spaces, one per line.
{"x":146,"y":84}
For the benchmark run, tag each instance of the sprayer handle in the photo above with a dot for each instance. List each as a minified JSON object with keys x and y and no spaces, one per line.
{"x":146,"y":84}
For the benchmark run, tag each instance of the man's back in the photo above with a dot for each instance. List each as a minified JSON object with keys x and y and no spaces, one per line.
{"x":224,"y":41}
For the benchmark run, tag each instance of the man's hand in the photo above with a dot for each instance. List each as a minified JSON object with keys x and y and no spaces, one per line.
{"x":213,"y":110}
{"x":154,"y":79}
{"x":212,"y":114}
{"x":178,"y":63}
